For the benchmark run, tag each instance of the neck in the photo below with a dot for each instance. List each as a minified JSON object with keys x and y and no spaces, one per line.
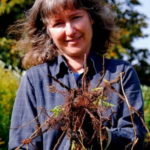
{"x":76,"y":64}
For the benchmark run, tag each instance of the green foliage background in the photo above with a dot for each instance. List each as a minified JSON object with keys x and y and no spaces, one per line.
{"x":146,"y":95}
{"x":9,"y":81}
{"x":10,"y":11}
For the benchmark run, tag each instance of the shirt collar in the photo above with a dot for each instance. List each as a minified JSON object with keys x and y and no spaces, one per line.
{"x":60,"y":66}
{"x":94,"y":63}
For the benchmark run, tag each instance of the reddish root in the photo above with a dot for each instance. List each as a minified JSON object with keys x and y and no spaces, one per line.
{"x":26,"y":141}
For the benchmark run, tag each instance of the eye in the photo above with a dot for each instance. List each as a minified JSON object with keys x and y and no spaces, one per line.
{"x":59,"y":23}
{"x":76,"y":17}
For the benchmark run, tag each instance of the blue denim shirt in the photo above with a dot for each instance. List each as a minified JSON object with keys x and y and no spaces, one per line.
{"x":34,"y":95}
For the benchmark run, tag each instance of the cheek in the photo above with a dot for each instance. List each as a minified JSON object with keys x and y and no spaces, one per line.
{"x":86,"y":26}
{"x":56,"y":35}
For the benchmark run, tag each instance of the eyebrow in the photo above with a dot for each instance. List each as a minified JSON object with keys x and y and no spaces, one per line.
{"x":57,"y":18}
{"x":70,"y":15}
{"x":76,"y":13}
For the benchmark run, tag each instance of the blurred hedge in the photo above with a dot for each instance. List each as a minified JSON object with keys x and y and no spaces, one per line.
{"x":146,"y":95}
{"x":9,"y":82}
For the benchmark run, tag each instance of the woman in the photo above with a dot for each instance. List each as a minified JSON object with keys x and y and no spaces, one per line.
{"x":62,"y":35}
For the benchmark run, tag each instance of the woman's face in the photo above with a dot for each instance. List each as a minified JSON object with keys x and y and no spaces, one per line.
{"x":71,"y":32}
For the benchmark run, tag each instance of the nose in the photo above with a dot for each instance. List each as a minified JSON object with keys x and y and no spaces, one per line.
{"x":70,"y":29}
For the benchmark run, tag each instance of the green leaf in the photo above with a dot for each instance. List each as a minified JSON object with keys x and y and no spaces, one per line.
{"x":97,"y":89}
{"x":107,"y":104}
{"x":57,"y":110}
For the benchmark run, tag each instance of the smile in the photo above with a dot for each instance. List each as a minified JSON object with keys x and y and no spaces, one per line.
{"x":74,"y":40}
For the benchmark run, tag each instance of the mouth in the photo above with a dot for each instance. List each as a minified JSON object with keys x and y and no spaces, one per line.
{"x":74,"y":40}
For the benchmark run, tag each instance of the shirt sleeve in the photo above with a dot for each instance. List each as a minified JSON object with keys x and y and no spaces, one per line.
{"x":123,"y":132}
{"x":23,"y":115}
